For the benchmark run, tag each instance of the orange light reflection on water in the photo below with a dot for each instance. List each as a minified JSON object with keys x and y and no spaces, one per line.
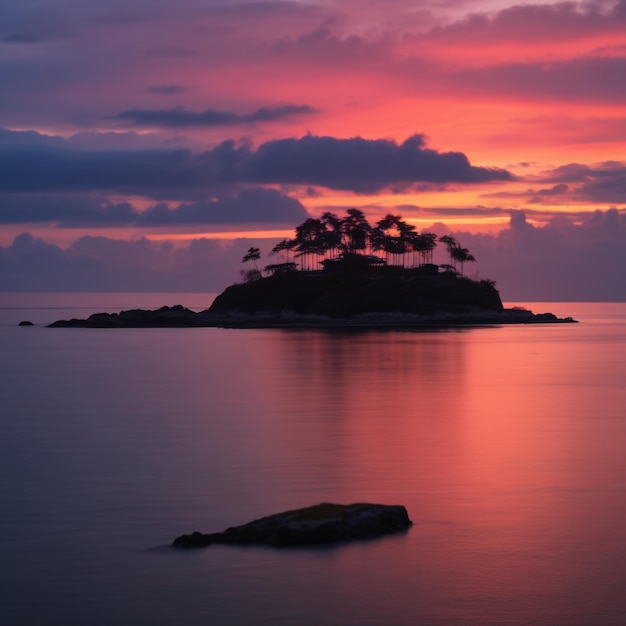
{"x":491,"y":431}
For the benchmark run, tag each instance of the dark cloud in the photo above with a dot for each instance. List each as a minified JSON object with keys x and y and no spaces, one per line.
{"x":606,"y":188}
{"x":67,"y":210}
{"x":605,"y":182}
{"x":321,"y":45}
{"x":24,"y":139}
{"x":531,"y":24}
{"x":34,"y":169}
{"x":558,"y":192}
{"x":550,"y":194}
{"x":250,"y":205}
{"x":357,"y":164}
{"x":569,"y":173}
{"x":179,"y":118}
{"x":257,"y":205}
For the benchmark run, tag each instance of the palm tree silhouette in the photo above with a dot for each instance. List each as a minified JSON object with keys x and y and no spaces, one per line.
{"x":462,"y":256}
{"x":253,"y":254}
{"x":451,"y":243}
{"x":311,"y":240}
{"x":424,"y":244}
{"x":394,"y":236}
{"x":356,"y":231}
{"x":332,"y":235}
{"x":286,"y":245}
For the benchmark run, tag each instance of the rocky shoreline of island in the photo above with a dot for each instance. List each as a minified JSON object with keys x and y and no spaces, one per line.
{"x":180,"y":317}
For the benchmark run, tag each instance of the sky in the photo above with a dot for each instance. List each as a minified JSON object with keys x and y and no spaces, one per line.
{"x":146,"y":144}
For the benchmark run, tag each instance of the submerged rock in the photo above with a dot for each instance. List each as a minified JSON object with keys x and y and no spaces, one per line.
{"x":26,"y":323}
{"x":320,"y":524}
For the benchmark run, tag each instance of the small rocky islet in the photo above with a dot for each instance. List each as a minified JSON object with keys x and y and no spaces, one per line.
{"x":321,"y":524}
{"x":349,"y":274}
{"x":374,"y":298}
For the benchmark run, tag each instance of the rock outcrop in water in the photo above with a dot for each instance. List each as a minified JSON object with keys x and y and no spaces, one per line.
{"x":320,"y":524}
{"x":165,"y":317}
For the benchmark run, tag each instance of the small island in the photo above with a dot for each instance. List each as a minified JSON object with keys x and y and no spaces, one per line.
{"x":343,"y":272}
{"x":324,"y":523}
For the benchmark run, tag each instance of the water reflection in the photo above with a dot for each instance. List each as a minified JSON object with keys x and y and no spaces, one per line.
{"x":366,"y":409}
{"x":506,"y":446}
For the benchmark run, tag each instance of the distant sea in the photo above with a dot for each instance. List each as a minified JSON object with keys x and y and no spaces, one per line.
{"x":506,"y":445}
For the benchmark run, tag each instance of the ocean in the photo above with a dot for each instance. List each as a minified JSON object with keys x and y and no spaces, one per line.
{"x":505,"y":444}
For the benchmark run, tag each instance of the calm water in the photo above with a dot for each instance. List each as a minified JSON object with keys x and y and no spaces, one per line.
{"x":507,"y":446}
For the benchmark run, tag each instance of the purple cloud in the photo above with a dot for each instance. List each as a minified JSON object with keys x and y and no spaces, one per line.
{"x":358,"y":164}
{"x":560,"y":261}
{"x":252,"y":206}
{"x":361,"y":165}
{"x":261,"y":206}
{"x":604,"y":182}
{"x":179,"y":118}
{"x":105,"y":264}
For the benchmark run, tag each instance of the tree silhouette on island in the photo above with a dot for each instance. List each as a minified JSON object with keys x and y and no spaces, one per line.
{"x":333,"y":242}
{"x":343,"y":267}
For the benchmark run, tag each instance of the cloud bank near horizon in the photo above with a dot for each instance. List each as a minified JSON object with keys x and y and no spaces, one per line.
{"x":561,"y":261}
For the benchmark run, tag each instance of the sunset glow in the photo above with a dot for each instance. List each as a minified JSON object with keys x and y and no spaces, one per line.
{"x":226,"y":120}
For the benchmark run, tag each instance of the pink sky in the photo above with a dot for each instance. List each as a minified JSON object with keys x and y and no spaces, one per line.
{"x":198,"y":121}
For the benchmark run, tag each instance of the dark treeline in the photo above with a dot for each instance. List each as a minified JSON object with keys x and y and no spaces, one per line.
{"x":330,"y":239}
